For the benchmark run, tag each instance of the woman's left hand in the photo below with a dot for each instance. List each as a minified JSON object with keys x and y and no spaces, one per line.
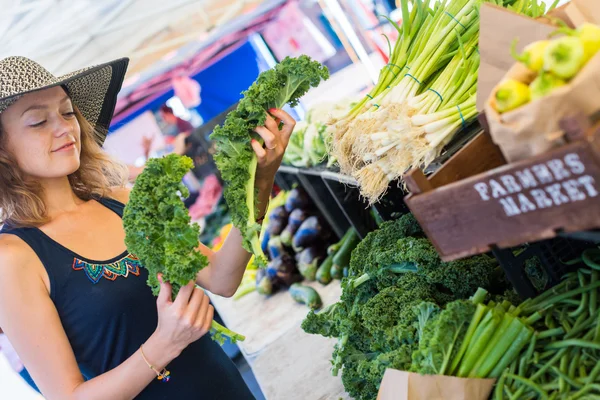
{"x":276,"y":141}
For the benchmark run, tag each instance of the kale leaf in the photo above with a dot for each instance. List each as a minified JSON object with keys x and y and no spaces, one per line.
{"x":236,"y":160}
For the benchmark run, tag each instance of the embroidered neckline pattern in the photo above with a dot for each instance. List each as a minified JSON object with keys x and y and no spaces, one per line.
{"x":129,"y":264}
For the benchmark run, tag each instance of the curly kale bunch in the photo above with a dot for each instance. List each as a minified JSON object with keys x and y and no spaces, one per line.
{"x":158,"y":230}
{"x":396,"y":287}
{"x":157,"y":224}
{"x":379,"y":242}
{"x":460,"y":278}
{"x":235,"y":159}
{"x":361,"y":374}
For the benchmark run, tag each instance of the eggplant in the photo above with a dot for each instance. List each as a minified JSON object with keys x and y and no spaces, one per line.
{"x":264,"y":244}
{"x":283,"y":271}
{"x":297,"y":199}
{"x":309,"y":260}
{"x":271,"y":271}
{"x":277,"y":220}
{"x":276,"y":248}
{"x":275,"y":227}
{"x":285,"y":264}
{"x":264,"y":284}
{"x":297,"y":217}
{"x":311,"y":231}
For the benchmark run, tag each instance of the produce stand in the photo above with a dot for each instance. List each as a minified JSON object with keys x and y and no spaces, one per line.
{"x":473,"y":202}
{"x":479,"y":221}
{"x":338,"y":198}
{"x":334,"y":194}
{"x":311,"y":181}
{"x":273,"y":335}
{"x":502,"y":217}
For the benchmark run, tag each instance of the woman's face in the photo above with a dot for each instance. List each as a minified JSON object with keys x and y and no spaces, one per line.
{"x":43,"y":134}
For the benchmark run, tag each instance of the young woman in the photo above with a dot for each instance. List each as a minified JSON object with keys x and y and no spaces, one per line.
{"x":71,"y":297}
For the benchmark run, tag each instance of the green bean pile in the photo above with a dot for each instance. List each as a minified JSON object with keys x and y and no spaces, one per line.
{"x":562,"y":360}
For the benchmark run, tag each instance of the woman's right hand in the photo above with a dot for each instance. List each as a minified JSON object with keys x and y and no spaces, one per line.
{"x":185,"y":320}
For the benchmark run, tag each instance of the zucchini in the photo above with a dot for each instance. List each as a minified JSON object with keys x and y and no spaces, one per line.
{"x":306,"y":295}
{"x":337,"y":272}
{"x":334,"y":248}
{"x":342,"y":257}
{"x":324,"y":271}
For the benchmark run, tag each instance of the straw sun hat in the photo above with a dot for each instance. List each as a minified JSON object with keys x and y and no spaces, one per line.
{"x":93,"y":90}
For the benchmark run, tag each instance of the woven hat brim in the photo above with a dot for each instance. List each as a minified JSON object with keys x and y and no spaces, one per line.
{"x":93,"y":90}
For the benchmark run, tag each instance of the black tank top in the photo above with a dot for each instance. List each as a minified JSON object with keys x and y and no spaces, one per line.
{"x":108,"y":311}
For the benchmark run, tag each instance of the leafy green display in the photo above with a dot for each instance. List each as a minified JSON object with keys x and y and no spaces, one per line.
{"x":441,"y":336}
{"x":472,"y":339}
{"x":236,"y":160}
{"x":560,"y":360}
{"x":158,"y":230}
{"x":397,"y":285}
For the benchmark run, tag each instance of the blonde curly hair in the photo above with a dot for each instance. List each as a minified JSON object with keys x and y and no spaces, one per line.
{"x":21,"y":203}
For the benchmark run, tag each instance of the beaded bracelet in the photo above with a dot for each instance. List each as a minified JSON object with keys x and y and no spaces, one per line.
{"x":163,"y":375}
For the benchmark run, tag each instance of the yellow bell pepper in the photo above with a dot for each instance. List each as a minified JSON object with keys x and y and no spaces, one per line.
{"x":545,"y":84}
{"x":511,"y":94}
{"x":533,"y":55}
{"x":590,"y":37}
{"x":564,"y":57}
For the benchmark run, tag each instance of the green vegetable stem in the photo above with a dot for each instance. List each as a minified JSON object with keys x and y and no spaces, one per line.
{"x":561,"y":360}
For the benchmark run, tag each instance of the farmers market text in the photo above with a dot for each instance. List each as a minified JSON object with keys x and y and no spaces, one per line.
{"x":550,"y":184}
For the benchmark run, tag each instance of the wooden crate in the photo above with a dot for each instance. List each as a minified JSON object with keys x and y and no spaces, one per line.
{"x":477,"y":202}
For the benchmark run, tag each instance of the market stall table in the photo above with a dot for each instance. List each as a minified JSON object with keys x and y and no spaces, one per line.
{"x":287,"y":362}
{"x":297,"y":366}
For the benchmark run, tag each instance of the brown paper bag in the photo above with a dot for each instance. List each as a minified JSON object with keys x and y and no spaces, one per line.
{"x":401,"y":385}
{"x":534,"y":128}
{"x":499,"y":27}
{"x":580,"y":11}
